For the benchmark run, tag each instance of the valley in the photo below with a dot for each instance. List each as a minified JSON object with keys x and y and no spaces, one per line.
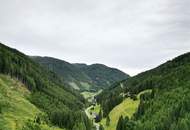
{"x":94,"y":65}
{"x":34,"y":96}
{"x":127,"y":107}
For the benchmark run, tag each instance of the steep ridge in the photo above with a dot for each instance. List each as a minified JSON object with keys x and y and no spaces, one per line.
{"x":81,"y":76}
{"x":165,"y":108}
{"x":62,"y":105}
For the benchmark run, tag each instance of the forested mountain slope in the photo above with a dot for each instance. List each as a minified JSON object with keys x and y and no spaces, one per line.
{"x":102,"y":75}
{"x":167,"y":107}
{"x":62,"y":105}
{"x":16,"y":110}
{"x":81,"y":76}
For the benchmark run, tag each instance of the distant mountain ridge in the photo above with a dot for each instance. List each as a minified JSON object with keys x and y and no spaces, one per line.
{"x":82,"y":76}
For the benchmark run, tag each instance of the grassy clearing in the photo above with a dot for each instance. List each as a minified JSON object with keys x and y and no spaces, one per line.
{"x":15,"y":109}
{"x":74,"y":85}
{"x":95,"y":110}
{"x":85,"y":85}
{"x":127,"y":108}
{"x":88,"y":95}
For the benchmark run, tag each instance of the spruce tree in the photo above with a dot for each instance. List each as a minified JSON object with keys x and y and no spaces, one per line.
{"x":100,"y":114}
{"x":120,"y":124}
{"x":101,"y":127}
{"x":107,"y":120}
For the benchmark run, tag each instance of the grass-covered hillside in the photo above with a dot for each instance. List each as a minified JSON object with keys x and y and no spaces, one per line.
{"x":126,"y":108}
{"x":165,"y":108}
{"x":15,"y":108}
{"x":62,"y":105}
{"x":81,"y":76}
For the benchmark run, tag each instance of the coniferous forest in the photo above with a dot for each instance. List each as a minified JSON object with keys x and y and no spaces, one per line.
{"x":166,"y":107}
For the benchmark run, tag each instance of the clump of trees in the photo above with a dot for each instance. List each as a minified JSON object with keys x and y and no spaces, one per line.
{"x":125,"y":124}
{"x":30,"y":125}
{"x":109,"y":103}
{"x":71,"y":120}
{"x":101,"y":127}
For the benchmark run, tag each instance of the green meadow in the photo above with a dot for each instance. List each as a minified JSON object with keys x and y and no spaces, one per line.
{"x":127,"y":108}
{"x":15,"y":108}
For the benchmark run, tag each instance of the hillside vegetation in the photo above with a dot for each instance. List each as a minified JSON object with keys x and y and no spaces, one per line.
{"x":165,"y":108}
{"x":81,"y":76}
{"x":126,"y":108}
{"x":62,"y":105}
{"x":15,"y":108}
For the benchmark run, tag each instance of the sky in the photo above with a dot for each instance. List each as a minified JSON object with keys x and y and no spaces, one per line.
{"x":131,"y":35}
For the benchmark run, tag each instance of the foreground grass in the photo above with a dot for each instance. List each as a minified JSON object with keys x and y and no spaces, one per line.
{"x":15,"y":109}
{"x":127,"y":108}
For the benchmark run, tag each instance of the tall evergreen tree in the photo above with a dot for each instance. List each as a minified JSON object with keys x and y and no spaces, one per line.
{"x":107,"y":120}
{"x":101,"y":127}
{"x":120,"y":124}
{"x":100,"y":114}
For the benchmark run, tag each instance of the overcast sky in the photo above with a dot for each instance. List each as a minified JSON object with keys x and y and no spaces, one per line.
{"x":132,"y":35}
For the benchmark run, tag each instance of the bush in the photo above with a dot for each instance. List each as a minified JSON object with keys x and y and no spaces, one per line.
{"x":30,"y":125}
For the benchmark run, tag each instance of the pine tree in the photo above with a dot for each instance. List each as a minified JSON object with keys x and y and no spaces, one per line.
{"x":183,"y":125}
{"x":100,"y":114}
{"x":107,"y":120}
{"x":101,"y":127}
{"x":1,"y":108}
{"x":79,"y":126}
{"x":120,"y":124}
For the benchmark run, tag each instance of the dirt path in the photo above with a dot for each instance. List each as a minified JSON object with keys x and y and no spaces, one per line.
{"x":91,"y":118}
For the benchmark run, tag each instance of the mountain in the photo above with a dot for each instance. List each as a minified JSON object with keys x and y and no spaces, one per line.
{"x":102,"y":75}
{"x":70,"y":74}
{"x":81,"y":76}
{"x":60,"y":106}
{"x":165,"y":107}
